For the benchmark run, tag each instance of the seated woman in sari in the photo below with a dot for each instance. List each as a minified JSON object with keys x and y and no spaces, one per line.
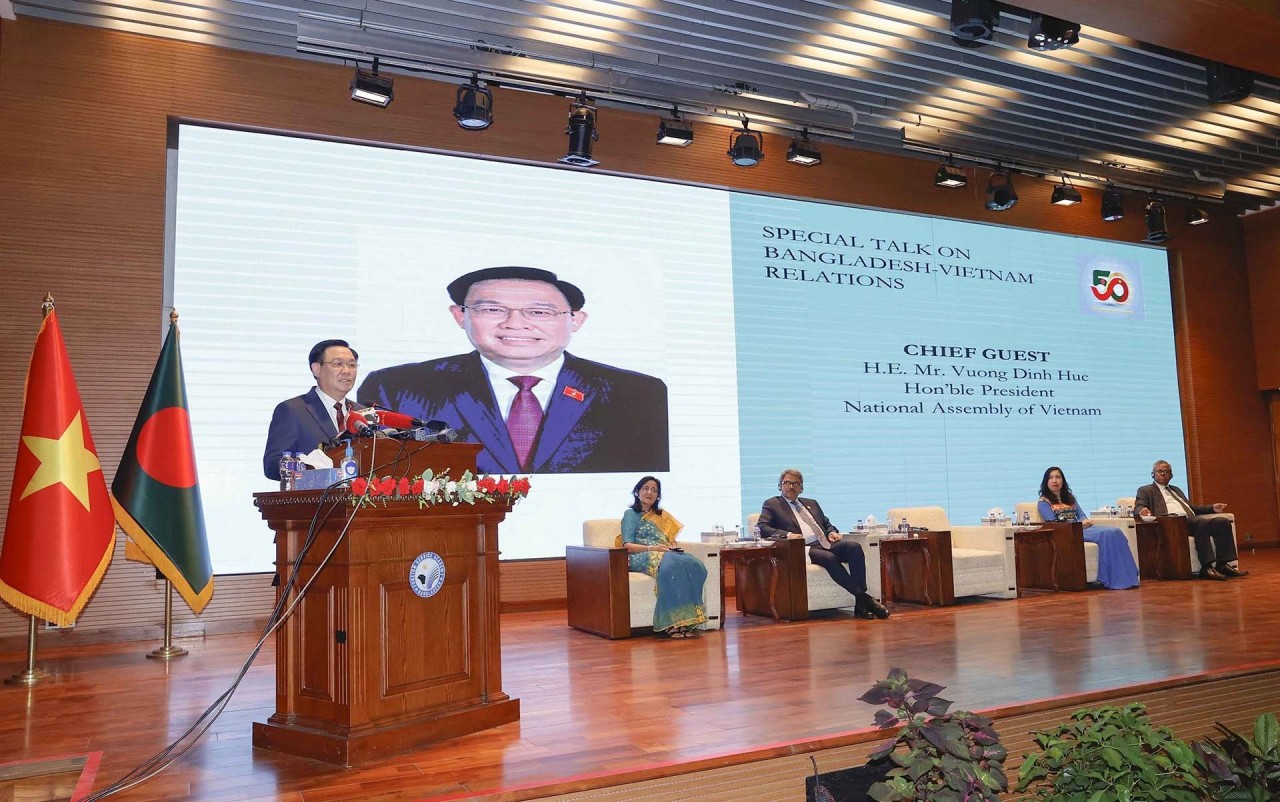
{"x":649,"y":534}
{"x":1116,"y":568}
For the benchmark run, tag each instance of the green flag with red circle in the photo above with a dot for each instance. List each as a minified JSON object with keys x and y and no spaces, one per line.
{"x":156,"y":494}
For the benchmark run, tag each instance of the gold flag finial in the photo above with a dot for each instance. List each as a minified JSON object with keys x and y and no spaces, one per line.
{"x":173,"y":316}
{"x":47,"y":306}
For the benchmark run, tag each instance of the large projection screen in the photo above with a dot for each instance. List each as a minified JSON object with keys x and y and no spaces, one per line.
{"x":898,"y":360}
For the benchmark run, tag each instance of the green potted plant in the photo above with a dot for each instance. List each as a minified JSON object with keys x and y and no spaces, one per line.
{"x":946,"y":757}
{"x":1111,"y":754}
{"x":1238,"y":769}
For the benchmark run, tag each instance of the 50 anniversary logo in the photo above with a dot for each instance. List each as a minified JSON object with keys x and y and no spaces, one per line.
{"x":1110,"y":286}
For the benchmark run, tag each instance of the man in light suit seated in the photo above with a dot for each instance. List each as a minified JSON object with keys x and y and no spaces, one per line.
{"x":788,"y":516}
{"x":1215,"y":546}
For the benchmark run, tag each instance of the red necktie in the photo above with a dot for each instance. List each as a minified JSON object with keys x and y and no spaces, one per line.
{"x":525,"y":418}
{"x":342,"y":416}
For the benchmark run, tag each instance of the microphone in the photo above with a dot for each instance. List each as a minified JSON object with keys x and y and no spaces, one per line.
{"x":401,"y":420}
{"x":361,"y":422}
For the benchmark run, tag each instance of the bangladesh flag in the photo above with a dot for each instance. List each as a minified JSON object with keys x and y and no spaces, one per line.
{"x":156,"y":494}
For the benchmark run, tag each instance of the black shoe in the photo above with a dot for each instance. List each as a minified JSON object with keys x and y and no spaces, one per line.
{"x":875,"y":608}
{"x":1228,"y":571}
{"x":1212,"y":573}
{"x":861,"y":612}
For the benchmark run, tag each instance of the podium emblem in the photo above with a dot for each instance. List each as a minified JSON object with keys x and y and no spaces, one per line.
{"x":426,"y":575}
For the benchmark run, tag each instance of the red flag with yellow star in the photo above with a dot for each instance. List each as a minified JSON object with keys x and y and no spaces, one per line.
{"x":60,"y":533}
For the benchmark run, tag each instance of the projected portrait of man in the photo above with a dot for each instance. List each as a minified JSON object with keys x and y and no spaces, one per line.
{"x":531,"y":404}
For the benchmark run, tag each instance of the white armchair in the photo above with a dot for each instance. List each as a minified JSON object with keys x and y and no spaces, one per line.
{"x":820,"y":589}
{"x":982,"y":557}
{"x":606,"y":599}
{"x":1129,"y":501}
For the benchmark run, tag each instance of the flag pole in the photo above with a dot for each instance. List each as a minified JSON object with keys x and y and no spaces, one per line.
{"x":168,"y":651}
{"x":32,"y":675}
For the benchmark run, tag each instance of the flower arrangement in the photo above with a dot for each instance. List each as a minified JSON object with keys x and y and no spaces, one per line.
{"x":431,"y":488}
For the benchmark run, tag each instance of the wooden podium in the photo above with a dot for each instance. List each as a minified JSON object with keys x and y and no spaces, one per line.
{"x":365,"y":666}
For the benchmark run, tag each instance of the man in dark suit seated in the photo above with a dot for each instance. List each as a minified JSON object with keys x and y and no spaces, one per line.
{"x":788,"y":516}
{"x":1215,"y":547}
{"x":314,"y":418}
{"x":532,"y":405}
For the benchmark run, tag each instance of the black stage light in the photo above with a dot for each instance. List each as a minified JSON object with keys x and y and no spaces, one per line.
{"x":675,"y":131}
{"x":746,"y":147}
{"x":1000,"y":193}
{"x":973,"y":21}
{"x":950,"y":176}
{"x":1065,"y":195}
{"x":367,"y":86}
{"x":1112,"y":204}
{"x":804,"y":152}
{"x":1197,"y":217}
{"x":1051,"y":33}
{"x":473,"y":108}
{"x":1227,"y":84}
{"x":582,"y":133}
{"x":1156,"y":229}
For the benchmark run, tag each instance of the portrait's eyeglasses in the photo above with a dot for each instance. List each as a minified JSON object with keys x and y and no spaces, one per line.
{"x":339,"y":364}
{"x":791,"y":483}
{"x":495,"y":312}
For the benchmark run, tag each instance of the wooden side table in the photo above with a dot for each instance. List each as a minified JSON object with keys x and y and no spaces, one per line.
{"x":1050,"y":557}
{"x":1163,"y":551}
{"x":742,"y":557}
{"x":917,"y":569}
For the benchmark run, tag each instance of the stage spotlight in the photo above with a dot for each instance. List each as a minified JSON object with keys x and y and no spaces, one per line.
{"x":1197,"y":217}
{"x":803,"y":152}
{"x":367,"y":86}
{"x":973,"y":21}
{"x":1000,"y":193}
{"x":1065,"y":195}
{"x":950,"y":176}
{"x":1112,"y":204}
{"x":746,"y":147}
{"x":582,"y":133}
{"x":473,"y":108}
{"x":675,"y":131}
{"x":1051,"y":33}
{"x":1156,"y":229}
{"x":1227,"y":84}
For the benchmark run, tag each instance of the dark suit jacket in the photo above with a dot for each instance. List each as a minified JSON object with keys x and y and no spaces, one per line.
{"x":777,"y":519}
{"x":1149,"y":496}
{"x":299,"y":424}
{"x":600,"y":419}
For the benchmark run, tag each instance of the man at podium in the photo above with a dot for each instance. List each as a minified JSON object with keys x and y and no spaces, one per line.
{"x":533,"y":406}
{"x":314,"y":418}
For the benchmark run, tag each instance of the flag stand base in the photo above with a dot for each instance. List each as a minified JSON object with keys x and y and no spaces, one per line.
{"x":27,"y":678}
{"x":166,"y":653}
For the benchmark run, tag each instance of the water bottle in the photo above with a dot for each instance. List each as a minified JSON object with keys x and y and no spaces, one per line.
{"x":903,"y":527}
{"x":755,"y":532}
{"x":1026,"y":518}
{"x":861,"y":527}
{"x":737,"y":531}
{"x":287,"y":468}
{"x":348,"y":465}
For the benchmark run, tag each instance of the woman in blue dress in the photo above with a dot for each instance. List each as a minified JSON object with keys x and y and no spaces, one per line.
{"x":1116,"y":568}
{"x":649,"y":534}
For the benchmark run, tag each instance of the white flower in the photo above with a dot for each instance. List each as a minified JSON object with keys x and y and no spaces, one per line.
{"x":451,"y":488}
{"x":471,"y":486}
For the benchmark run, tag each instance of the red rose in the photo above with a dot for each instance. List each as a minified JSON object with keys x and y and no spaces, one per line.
{"x":388,"y":486}
{"x":502,"y":486}
{"x":359,"y":485}
{"x":487,"y":483}
{"x":417,"y":487}
{"x":520,"y":484}
{"x":403,"y":487}
{"x":374,"y":489}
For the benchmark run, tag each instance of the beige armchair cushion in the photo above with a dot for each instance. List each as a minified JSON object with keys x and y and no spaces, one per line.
{"x":1195,"y":558}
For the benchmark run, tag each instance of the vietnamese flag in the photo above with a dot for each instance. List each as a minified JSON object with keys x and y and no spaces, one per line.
{"x":156,"y":494}
{"x":59,"y":535}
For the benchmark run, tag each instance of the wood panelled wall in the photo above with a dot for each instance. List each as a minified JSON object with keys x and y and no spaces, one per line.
{"x":82,"y":159}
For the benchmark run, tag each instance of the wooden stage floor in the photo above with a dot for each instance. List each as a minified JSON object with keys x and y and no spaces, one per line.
{"x":644,"y":706}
